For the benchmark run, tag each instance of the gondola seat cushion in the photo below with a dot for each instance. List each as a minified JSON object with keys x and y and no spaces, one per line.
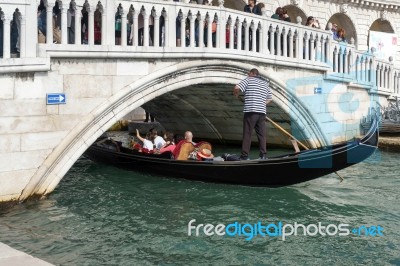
{"x":184,"y":148}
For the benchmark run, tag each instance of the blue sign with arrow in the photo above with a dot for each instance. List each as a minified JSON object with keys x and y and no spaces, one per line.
{"x":317,"y":90}
{"x":56,"y":98}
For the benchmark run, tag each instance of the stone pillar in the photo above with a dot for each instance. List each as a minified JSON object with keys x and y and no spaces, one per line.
{"x":183,"y":30}
{"x":103,"y":26}
{"x":379,"y":76}
{"x":124,"y":39}
{"x":391,"y":75}
{"x":345,"y":62}
{"x":239,"y":35}
{"x":231,"y":34}
{"x":323,"y":50}
{"x":340,"y":60}
{"x":264,"y":37}
{"x":253,"y":37}
{"x":209,"y":32}
{"x":328,"y":49}
{"x":277,"y":37}
{"x":306,"y":47}
{"x":49,"y":25}
{"x":135,"y":41}
{"x":31,"y":34}
{"x":166,"y":31}
{"x":6,"y":36}
{"x":156,"y":39}
{"x":22,"y":37}
{"x":362,"y":70}
{"x":317,"y":43}
{"x":170,"y":26}
{"x":192,"y":35}
{"x":91,"y":10}
{"x":285,"y":42}
{"x":146,"y":16}
{"x":246,"y":36}
{"x":201,"y":30}
{"x":299,"y":49}
{"x":221,"y":33}
{"x":64,"y":30}
{"x":260,"y":40}
{"x":357,"y":69}
{"x":272,"y":38}
{"x":351,"y":64}
{"x":290,"y":46}
{"x":311,"y":48}
{"x":78,"y":29}
{"x":109,"y":25}
{"x":335,"y":59}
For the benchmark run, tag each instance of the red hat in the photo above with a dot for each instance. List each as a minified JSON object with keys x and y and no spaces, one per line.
{"x":205,"y":153}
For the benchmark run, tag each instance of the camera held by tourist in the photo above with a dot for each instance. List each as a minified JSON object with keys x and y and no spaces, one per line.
{"x":312,"y":22}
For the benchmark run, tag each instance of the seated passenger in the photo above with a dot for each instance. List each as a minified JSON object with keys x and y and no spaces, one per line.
{"x":188,"y":150}
{"x":169,"y":143}
{"x":189,"y":137}
{"x":158,"y":140}
{"x":147,"y":144}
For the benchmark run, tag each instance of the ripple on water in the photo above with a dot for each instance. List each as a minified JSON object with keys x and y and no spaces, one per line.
{"x":103,"y":215}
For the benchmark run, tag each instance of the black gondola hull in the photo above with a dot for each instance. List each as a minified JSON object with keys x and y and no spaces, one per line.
{"x":275,"y":172}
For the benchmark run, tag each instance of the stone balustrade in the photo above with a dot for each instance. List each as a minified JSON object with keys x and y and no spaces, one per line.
{"x":188,"y":29}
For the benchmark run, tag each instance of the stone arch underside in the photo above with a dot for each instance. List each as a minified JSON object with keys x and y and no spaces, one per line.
{"x":186,"y":87}
{"x":382,"y":26}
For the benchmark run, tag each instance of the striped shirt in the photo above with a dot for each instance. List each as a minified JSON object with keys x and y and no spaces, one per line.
{"x":256,"y":91}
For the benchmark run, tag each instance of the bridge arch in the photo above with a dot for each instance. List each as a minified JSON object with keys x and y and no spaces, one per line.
{"x":175,"y":77}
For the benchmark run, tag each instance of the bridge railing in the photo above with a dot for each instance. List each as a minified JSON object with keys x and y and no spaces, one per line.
{"x":195,"y":29}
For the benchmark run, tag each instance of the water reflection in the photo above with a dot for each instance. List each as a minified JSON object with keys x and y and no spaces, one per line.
{"x":103,"y":215}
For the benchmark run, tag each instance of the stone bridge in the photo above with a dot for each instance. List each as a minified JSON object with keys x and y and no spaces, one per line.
{"x":321,"y":88}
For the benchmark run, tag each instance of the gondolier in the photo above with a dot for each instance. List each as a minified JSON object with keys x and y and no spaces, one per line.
{"x":257,"y":95}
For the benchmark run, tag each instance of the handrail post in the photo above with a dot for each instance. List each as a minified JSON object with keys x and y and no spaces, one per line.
{"x":64,"y":32}
{"x":49,"y":20}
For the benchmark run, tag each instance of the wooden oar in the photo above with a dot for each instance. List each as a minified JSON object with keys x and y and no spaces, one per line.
{"x":287,"y":133}
{"x":293,"y":138}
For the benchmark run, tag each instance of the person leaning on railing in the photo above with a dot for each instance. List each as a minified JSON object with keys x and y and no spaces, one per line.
{"x":42,"y":22}
{"x":278,"y":13}
{"x":284,"y":16}
{"x":251,"y":7}
{"x":312,"y":22}
{"x":340,"y":35}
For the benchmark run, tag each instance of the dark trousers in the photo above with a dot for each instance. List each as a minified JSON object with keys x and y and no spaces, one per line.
{"x":254,"y":121}
{"x":147,"y":117}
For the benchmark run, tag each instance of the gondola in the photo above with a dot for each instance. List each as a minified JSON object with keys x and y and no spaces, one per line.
{"x":283,"y":170}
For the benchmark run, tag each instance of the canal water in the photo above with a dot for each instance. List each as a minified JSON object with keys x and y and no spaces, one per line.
{"x":101,"y":215}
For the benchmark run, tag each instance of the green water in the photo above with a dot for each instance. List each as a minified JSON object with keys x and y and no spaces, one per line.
{"x":100,"y":215}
